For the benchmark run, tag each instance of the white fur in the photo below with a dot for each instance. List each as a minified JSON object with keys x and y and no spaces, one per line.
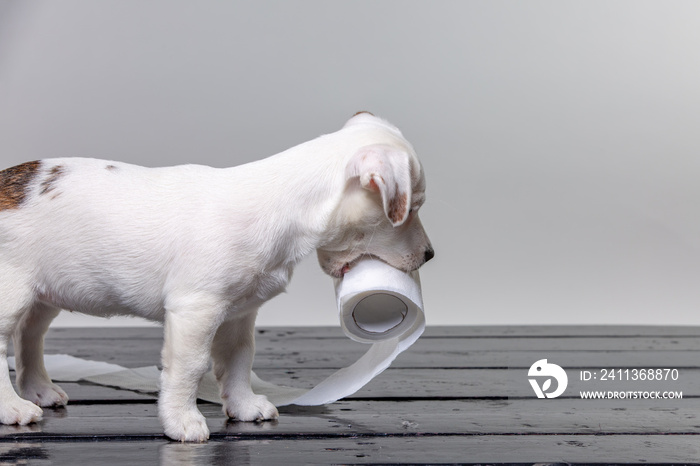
{"x":199,"y":249}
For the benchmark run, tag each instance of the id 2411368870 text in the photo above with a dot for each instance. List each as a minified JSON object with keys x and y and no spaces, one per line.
{"x":650,"y":374}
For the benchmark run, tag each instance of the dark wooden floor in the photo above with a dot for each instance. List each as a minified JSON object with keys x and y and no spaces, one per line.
{"x":459,"y":395}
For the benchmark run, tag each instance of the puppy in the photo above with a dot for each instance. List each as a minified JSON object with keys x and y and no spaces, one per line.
{"x":197,"y":248}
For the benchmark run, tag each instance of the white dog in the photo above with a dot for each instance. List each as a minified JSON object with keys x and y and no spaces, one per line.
{"x":197,"y":248}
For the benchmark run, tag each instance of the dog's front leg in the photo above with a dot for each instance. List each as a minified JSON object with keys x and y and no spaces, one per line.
{"x":190,"y":324}
{"x":233,"y":351}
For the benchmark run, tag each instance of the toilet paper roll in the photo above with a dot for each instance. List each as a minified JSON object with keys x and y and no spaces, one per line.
{"x":377,"y":304}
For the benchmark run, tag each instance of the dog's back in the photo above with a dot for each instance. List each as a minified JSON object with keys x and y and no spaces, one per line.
{"x":83,"y":224}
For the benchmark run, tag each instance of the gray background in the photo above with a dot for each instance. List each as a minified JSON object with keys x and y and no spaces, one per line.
{"x":560,"y":139}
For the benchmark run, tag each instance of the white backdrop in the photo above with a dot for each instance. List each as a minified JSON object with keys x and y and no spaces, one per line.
{"x":559,"y":138}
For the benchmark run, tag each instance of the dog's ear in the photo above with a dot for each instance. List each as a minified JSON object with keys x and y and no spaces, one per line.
{"x":387,"y":171}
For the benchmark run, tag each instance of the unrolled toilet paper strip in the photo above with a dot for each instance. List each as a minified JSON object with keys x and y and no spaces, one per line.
{"x":377,"y":304}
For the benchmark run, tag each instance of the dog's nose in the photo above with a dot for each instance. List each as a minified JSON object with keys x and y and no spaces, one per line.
{"x":429,"y":254}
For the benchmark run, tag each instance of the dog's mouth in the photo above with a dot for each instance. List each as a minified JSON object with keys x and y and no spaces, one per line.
{"x":336,"y":267}
{"x":349,"y":265}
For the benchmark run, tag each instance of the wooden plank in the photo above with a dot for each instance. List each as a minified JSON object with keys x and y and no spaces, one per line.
{"x":381,"y":418}
{"x":477,"y":383}
{"x":87,"y":393}
{"x":105,"y":333}
{"x":421,"y":449}
{"x":480,"y":331}
{"x":125,"y":352}
{"x":90,"y":393}
{"x":455,"y":345}
{"x":508,"y":331}
{"x":505,"y":331}
{"x":462,"y":345}
{"x":418,"y":356}
{"x":415,"y":358}
{"x":427,"y":352}
{"x":410,"y":449}
{"x":397,"y":383}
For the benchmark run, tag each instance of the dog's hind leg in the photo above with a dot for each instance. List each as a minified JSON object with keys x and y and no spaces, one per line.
{"x":33,"y":381}
{"x":233,"y":351}
{"x":15,"y":300}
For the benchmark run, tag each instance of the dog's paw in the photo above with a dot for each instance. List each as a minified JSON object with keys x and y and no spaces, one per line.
{"x":44,"y":394}
{"x":19,"y":411}
{"x":251,"y":408}
{"x":187,"y":426}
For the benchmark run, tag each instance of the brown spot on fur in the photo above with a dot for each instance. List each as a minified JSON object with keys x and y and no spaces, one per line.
{"x":14,"y":184}
{"x":110,"y":167}
{"x":363,"y":111}
{"x":49,"y":183}
{"x":398,"y":206}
